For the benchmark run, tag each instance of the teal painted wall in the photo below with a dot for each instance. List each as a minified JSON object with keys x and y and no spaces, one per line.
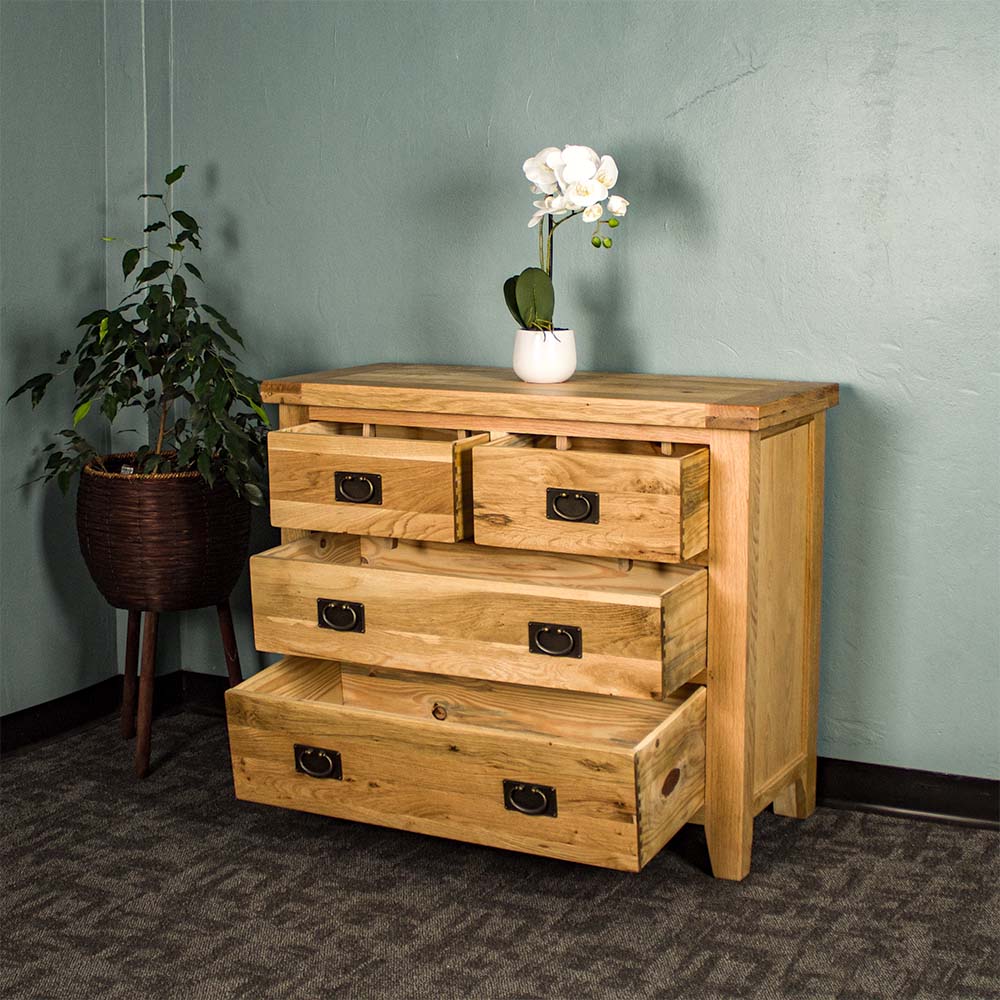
{"x":814,"y":191}
{"x":57,"y":633}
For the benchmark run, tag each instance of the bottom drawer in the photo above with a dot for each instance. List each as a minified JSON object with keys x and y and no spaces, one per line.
{"x":599,"y":780}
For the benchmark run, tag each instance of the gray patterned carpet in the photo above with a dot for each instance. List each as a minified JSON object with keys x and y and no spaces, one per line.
{"x":172,"y":889}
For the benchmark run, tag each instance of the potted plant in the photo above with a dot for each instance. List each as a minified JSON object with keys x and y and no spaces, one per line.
{"x":572,"y":181}
{"x":163,"y":527}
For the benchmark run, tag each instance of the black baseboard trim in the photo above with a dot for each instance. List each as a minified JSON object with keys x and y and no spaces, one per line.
{"x":840,"y":784}
{"x":899,"y":791}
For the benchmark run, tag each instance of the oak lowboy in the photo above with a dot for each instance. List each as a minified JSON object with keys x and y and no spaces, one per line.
{"x":560,"y":619}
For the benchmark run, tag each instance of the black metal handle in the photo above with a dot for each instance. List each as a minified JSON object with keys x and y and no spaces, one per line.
{"x":318,"y":763}
{"x":578,"y":506}
{"x":358,"y":487}
{"x":341,"y":616}
{"x":555,"y":640}
{"x":529,"y":798}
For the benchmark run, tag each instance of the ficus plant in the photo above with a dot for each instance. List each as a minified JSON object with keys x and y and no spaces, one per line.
{"x":163,"y":351}
{"x":573,"y":181}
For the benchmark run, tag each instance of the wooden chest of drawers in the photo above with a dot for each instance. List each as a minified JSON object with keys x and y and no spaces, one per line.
{"x":559,"y":619}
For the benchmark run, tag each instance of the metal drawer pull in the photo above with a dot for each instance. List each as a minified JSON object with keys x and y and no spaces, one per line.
{"x":555,"y":640}
{"x":318,"y":763}
{"x":579,"y":506}
{"x":341,"y":616}
{"x":358,"y":487}
{"x":528,"y":798}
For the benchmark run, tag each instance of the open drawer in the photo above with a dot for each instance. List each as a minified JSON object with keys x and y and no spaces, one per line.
{"x":608,"y":498}
{"x":571,"y":622}
{"x":405,"y":482}
{"x":602,"y":781}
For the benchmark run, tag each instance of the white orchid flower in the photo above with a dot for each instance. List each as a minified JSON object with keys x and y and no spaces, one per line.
{"x":583,"y":194}
{"x":579,"y":163}
{"x":552,"y":205}
{"x":541,"y":175}
{"x":607,"y":172}
{"x":617,"y":205}
{"x":593,"y":213}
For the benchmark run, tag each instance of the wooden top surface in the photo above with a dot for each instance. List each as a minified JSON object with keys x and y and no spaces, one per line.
{"x":591,"y":397}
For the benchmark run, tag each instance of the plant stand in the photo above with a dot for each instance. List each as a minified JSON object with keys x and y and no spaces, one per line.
{"x":137,"y":719}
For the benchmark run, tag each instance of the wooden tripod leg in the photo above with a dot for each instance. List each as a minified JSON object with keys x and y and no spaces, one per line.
{"x":131,"y":670}
{"x":229,"y":643}
{"x":146,"y":683}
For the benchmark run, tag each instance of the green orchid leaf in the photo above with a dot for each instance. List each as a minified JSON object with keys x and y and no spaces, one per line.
{"x":176,"y":174}
{"x":510,"y":297}
{"x":535,"y":298}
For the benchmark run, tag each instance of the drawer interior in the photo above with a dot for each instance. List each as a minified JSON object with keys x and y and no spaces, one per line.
{"x":379,"y":432}
{"x":507,"y":566}
{"x":570,"y":715}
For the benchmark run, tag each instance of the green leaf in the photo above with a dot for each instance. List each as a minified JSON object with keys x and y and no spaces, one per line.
{"x":103,"y":330}
{"x":154,"y":271}
{"x":109,"y":239}
{"x":154,"y":226}
{"x":176,"y":174}
{"x":535,"y":298}
{"x":254,"y":494}
{"x":185,"y":220}
{"x":205,"y":466}
{"x":259,"y":410}
{"x":176,"y":247}
{"x":160,"y":196}
{"x":37,"y":384}
{"x":81,"y":411}
{"x":194,"y":271}
{"x":510,"y":297}
{"x":92,"y":319}
{"x":179,"y":289}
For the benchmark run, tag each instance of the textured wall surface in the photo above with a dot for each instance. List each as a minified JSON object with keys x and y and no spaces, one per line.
{"x":58,"y":635}
{"x":814,"y":192}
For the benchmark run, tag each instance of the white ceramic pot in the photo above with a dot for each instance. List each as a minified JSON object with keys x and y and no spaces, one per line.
{"x":544,"y":355}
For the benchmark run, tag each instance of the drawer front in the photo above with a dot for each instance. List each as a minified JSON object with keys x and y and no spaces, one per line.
{"x":507,"y":630}
{"x":321,"y":480}
{"x":635,"y":506}
{"x":322,"y":743}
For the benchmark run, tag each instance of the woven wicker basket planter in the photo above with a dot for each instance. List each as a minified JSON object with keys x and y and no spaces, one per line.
{"x":163,"y":542}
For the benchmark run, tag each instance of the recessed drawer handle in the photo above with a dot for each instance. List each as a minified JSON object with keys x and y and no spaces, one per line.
{"x":358,"y":487}
{"x":341,"y":616}
{"x":580,"y":506}
{"x":555,"y":640}
{"x":528,"y":798}
{"x":318,"y":763}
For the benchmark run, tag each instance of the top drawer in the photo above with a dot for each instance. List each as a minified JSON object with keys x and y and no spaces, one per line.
{"x":402,"y":482}
{"x":597,"y":497}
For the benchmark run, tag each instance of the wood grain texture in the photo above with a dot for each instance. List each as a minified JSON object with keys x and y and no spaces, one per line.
{"x":783,"y":541}
{"x":589,"y":397}
{"x":670,"y":775}
{"x":799,"y":798}
{"x":644,"y":498}
{"x":464,"y":610}
{"x":422,"y":482}
{"x":290,"y":416}
{"x":732,"y":603}
{"x":443,"y":777}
